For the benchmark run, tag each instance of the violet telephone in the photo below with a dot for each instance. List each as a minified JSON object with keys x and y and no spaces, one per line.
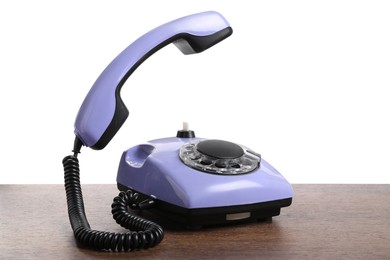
{"x":191,"y":181}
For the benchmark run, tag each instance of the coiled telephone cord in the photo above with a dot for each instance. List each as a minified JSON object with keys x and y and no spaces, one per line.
{"x":145,"y":234}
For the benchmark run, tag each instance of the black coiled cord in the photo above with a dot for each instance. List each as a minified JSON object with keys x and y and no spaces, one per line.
{"x":146,"y":234}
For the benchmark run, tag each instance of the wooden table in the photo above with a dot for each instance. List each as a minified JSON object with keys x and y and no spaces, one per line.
{"x":324,"y":221}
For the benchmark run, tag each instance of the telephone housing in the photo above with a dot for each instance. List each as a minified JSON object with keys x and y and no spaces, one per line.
{"x":193,"y":197}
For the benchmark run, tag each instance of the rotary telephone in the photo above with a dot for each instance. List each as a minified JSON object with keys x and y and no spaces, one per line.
{"x":191,"y":181}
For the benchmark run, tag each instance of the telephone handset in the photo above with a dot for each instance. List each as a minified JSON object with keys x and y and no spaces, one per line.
{"x":191,"y":181}
{"x":103,"y":112}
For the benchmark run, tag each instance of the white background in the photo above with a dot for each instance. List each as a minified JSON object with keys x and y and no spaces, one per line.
{"x":304,"y":83}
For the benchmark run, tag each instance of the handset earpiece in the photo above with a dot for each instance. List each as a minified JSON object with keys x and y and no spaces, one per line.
{"x":103,"y":112}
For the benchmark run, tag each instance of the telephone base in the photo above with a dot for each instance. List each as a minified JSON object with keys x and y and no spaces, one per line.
{"x":199,"y":217}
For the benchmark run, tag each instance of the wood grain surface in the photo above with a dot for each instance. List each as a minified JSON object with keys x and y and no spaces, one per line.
{"x":323,"y":222}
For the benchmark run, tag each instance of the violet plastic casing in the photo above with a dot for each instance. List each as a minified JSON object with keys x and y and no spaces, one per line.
{"x":155,"y":169}
{"x":103,"y":112}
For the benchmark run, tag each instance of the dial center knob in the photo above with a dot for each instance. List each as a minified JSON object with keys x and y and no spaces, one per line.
{"x":220,"y":149}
